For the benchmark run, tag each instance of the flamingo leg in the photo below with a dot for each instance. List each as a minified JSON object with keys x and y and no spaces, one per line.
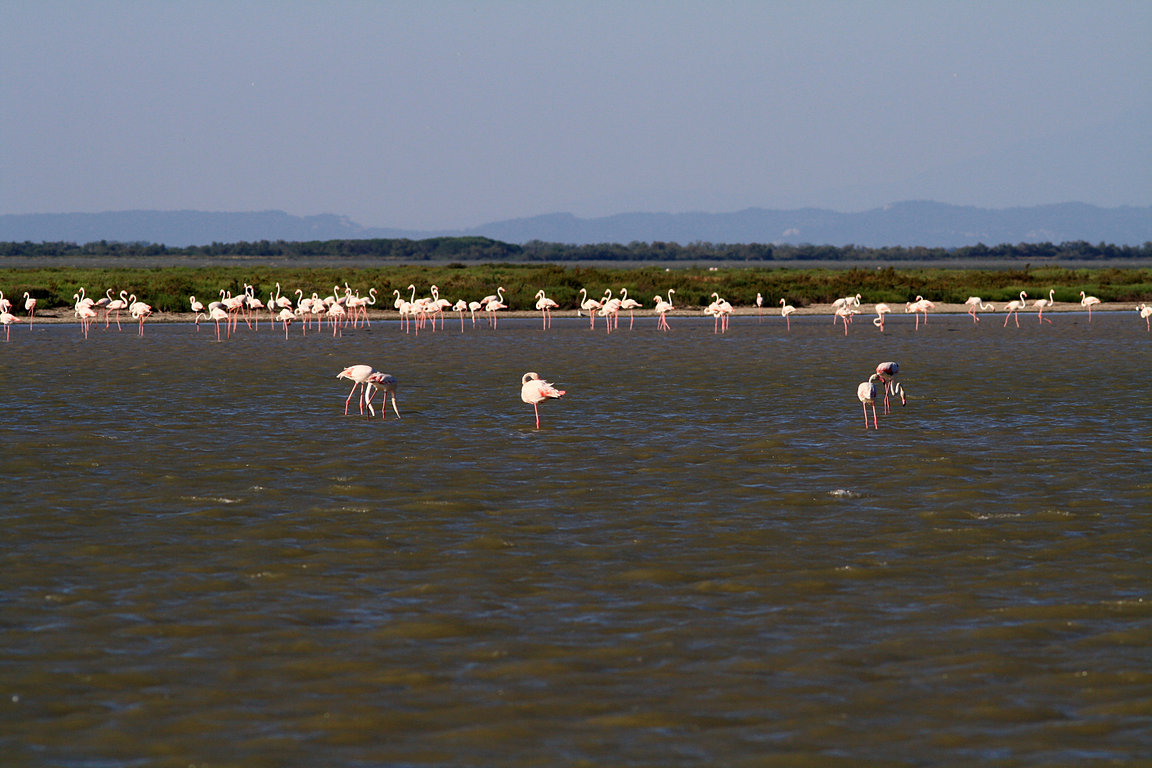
{"x":875,"y":423}
{"x":537,"y":409}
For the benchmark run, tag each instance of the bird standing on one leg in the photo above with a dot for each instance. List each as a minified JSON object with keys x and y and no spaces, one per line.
{"x":534,"y":390}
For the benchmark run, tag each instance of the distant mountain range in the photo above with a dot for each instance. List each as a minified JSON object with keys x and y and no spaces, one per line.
{"x":928,"y":224}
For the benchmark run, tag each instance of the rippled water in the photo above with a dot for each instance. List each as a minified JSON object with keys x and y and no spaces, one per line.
{"x":702,"y":558}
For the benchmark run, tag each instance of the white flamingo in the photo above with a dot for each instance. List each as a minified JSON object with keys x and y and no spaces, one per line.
{"x":786,"y":311}
{"x":1089,"y":302}
{"x":1040,"y":304}
{"x":974,"y":304}
{"x":662,"y":308}
{"x":1013,"y":307}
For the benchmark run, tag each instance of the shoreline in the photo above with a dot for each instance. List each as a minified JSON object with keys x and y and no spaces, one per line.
{"x":65,"y":316}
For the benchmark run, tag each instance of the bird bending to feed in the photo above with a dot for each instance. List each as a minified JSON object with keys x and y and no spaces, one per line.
{"x":887,"y":372}
{"x":974,"y":304}
{"x":534,"y":390}
{"x":1088,"y":301}
{"x":360,"y":375}
{"x":866,"y":392}
{"x":384,"y":382}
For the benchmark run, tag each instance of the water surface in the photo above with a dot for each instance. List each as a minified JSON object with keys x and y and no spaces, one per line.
{"x":701,"y":558}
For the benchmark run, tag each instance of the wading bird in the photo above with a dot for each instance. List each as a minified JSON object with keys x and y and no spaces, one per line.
{"x":974,"y":304}
{"x":881,"y":310}
{"x":786,"y":310}
{"x":1013,"y":307}
{"x":866,"y":393}
{"x":534,"y":390}
{"x":1145,"y":315}
{"x":662,"y":308}
{"x":1088,"y":301}
{"x":1040,"y":304}
{"x":383,"y":382}
{"x":359,"y":375}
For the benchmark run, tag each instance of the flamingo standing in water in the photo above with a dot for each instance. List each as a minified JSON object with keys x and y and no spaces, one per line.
{"x":629,"y":304}
{"x":383,"y":382}
{"x":360,"y":375}
{"x":845,"y":313}
{"x":662,"y":307}
{"x":6,"y":319}
{"x":534,"y":390}
{"x":544,"y":304}
{"x":1013,"y":307}
{"x":1041,"y":303}
{"x":759,"y":307}
{"x":460,"y":307}
{"x":866,"y":393}
{"x":29,"y":307}
{"x":590,"y":306}
{"x":881,"y":310}
{"x":887,"y":372}
{"x":1088,"y":301}
{"x":786,"y":309}
{"x":975,"y":303}
{"x":920,"y":306}
{"x":1145,"y":315}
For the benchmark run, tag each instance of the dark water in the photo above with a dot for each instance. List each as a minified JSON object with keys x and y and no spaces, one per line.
{"x":702,"y":558}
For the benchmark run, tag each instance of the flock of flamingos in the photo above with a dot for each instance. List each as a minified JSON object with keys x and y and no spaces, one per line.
{"x":344,"y":306}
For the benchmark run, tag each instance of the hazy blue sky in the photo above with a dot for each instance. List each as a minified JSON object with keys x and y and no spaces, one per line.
{"x":445,"y":114}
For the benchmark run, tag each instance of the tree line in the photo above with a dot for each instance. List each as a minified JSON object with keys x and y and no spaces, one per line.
{"x":473,"y":249}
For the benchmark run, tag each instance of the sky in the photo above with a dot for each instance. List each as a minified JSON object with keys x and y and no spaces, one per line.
{"x":426,"y":115}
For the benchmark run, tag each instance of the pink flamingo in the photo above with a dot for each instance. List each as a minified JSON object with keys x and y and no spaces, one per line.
{"x":360,"y":375}
{"x":1145,"y":315}
{"x":887,"y":372}
{"x":1013,"y":307}
{"x":115,"y":305}
{"x":881,"y":310}
{"x":975,"y":303}
{"x":216,"y":314}
{"x":920,"y":306}
{"x":29,"y":307}
{"x":1041,"y":303}
{"x":759,"y":307}
{"x":460,"y":308}
{"x":286,"y":316}
{"x":590,"y":306}
{"x":866,"y":392}
{"x":786,"y":310}
{"x":6,"y":319}
{"x":845,"y":313}
{"x":629,"y":304}
{"x":384,"y":382}
{"x":534,"y":390}
{"x":1088,"y":301}
{"x":662,"y":308}
{"x":86,"y":314}
{"x":545,"y":305}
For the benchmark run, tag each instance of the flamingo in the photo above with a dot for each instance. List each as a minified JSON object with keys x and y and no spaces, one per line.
{"x":534,"y":390}
{"x":590,"y":306}
{"x":866,"y":392}
{"x":629,"y":304}
{"x":460,"y":308}
{"x":473,"y":307}
{"x":6,"y":319}
{"x":1088,"y":301}
{"x":920,"y":306}
{"x":760,"y":306}
{"x":975,"y":303}
{"x":1145,"y":315}
{"x":1013,"y":307}
{"x":720,"y":310}
{"x":29,"y":307}
{"x":847,"y":301}
{"x":887,"y":372}
{"x":139,"y":311}
{"x":662,"y":307}
{"x":545,"y":305}
{"x":115,"y":305}
{"x":493,"y":307}
{"x":1040,"y":304}
{"x":384,"y":382}
{"x":786,"y":310}
{"x":286,"y":316}
{"x":493,"y":298}
{"x":881,"y":310}
{"x":360,"y":375}
{"x":216,"y":314}
{"x":86,"y":315}
{"x":845,"y":313}
{"x":6,"y":305}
